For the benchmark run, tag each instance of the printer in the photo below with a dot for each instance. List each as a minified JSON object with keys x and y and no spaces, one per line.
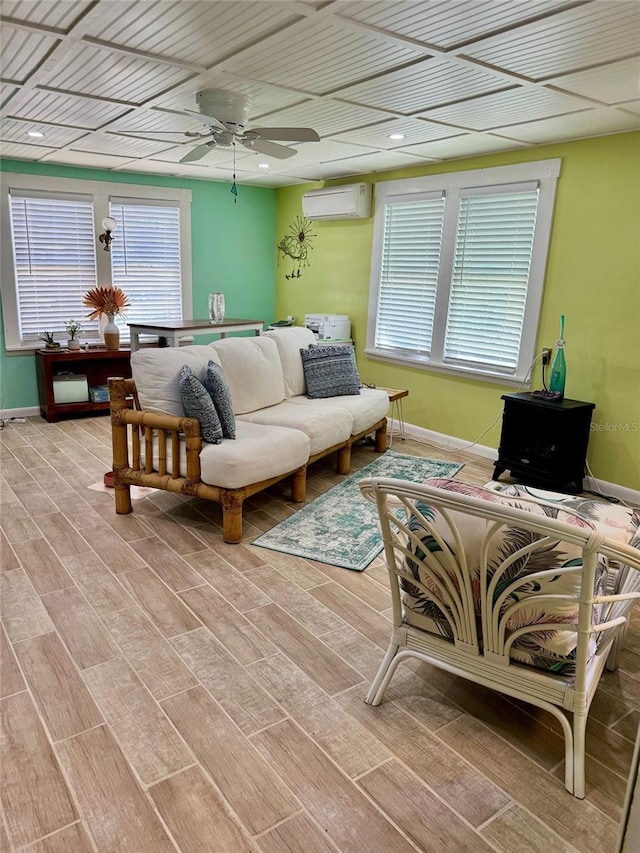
{"x":329,"y":327}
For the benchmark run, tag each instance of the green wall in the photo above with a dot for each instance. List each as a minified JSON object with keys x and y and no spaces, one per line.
{"x":233,"y":251}
{"x":593,"y":276}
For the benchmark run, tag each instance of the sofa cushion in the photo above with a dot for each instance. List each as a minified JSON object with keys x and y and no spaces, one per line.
{"x":329,"y":371}
{"x":197,"y":403}
{"x":156,"y":371}
{"x":369,"y":407}
{"x":546,"y":649}
{"x":258,"y":453}
{"x":290,"y":341}
{"x":253,"y":372}
{"x":326,"y":426}
{"x":218,"y":389}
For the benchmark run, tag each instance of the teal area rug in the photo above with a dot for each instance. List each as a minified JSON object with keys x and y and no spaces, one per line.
{"x":341,"y":526}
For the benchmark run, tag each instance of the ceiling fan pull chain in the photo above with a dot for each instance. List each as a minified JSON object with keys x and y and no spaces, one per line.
{"x":234,"y":188}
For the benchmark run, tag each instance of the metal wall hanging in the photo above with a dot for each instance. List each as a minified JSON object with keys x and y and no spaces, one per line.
{"x":296,"y":245}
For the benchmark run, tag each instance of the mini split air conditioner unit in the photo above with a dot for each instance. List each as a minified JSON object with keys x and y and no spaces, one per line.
{"x":352,"y":201}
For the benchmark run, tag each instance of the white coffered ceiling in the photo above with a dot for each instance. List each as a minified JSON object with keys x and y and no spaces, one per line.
{"x":106,"y":81}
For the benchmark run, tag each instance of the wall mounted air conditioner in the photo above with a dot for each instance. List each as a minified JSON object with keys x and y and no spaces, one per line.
{"x":352,"y":201}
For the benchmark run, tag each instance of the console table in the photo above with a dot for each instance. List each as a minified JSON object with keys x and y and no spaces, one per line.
{"x":544,"y":443}
{"x":186,"y":328}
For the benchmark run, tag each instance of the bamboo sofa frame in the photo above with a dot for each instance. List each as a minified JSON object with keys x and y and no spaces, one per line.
{"x":481,"y":652}
{"x":168,"y":475}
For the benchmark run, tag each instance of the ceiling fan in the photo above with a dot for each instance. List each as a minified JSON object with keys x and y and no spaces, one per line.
{"x":225,"y":116}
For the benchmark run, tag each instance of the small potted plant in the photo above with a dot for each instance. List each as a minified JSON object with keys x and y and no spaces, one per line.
{"x":49,"y":341}
{"x":73,"y":327}
{"x":107,"y":302}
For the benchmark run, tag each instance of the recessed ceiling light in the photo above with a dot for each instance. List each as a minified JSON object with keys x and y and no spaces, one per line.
{"x":263,"y":165}
{"x":396,"y":136}
{"x":35,"y":133}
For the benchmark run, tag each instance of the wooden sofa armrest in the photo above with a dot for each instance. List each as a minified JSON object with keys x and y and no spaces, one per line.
{"x":148,"y":422}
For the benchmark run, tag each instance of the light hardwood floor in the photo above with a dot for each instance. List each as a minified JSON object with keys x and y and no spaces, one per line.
{"x":163,"y":691}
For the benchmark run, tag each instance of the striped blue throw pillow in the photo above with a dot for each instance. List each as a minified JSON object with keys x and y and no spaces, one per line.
{"x":330,"y":372}
{"x":198,"y":404}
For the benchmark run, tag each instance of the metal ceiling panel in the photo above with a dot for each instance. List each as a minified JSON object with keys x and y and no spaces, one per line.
{"x":414,"y":130}
{"x":506,"y":108}
{"x":22,"y":151}
{"x":89,"y":159}
{"x":61,"y":14}
{"x":13,"y":130}
{"x":56,"y":108}
{"x":196,"y":32}
{"x":423,"y":85}
{"x":326,"y":116}
{"x":468,"y":145}
{"x":631,"y":106}
{"x":379,"y":161}
{"x":590,"y":123}
{"x":22,"y":52}
{"x":447,"y":24}
{"x":120,"y":146}
{"x":581,"y":37}
{"x":94,"y":71}
{"x":7,"y":91}
{"x":320,"y":57}
{"x":611,"y":85}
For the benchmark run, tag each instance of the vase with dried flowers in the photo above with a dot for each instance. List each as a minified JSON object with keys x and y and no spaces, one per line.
{"x":107,"y":302}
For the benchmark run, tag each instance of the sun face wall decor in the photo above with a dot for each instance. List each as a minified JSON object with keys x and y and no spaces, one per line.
{"x":296,"y":245}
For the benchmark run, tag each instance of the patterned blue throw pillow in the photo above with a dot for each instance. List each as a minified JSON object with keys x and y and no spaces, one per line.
{"x":198,"y":404}
{"x":330,"y":372}
{"x":216,"y":385}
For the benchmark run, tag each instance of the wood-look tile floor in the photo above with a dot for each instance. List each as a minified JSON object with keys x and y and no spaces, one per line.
{"x":164,"y":691}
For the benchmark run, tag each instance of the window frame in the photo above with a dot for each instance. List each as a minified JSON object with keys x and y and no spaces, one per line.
{"x":545,"y":173}
{"x":101,"y":192}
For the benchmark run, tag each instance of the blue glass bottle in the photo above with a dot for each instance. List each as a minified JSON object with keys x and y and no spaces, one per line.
{"x":559,"y":366}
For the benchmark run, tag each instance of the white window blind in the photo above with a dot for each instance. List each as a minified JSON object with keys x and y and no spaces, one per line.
{"x":490,"y":277}
{"x":145,"y":259}
{"x":411,"y":246}
{"x":457,"y":269}
{"x":54,"y":259}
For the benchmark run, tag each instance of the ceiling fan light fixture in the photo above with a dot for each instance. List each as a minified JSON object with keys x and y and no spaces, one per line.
{"x":396,"y":136}
{"x":36,"y":134}
{"x":263,"y":166}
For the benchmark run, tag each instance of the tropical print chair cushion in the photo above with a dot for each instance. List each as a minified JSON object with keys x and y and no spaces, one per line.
{"x":546,"y":649}
{"x":618,"y":522}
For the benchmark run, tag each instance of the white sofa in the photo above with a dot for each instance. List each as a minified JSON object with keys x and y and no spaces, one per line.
{"x":278,"y":429}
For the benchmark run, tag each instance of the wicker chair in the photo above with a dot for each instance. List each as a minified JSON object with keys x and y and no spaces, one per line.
{"x":511,"y":596}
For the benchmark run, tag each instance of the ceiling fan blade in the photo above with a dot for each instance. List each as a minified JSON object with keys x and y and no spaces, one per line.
{"x":207,"y":121}
{"x":198,"y":152}
{"x":290,"y":134}
{"x":280,"y":152}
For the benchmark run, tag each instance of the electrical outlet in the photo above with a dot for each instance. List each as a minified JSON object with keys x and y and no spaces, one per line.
{"x":546,"y":355}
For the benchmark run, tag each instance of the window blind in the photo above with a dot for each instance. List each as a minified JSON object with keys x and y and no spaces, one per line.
{"x":145,"y":260}
{"x":490,"y":277}
{"x":54,"y":260}
{"x":411,"y":244}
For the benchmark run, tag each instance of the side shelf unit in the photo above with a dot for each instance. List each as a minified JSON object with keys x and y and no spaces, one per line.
{"x":96,"y":364}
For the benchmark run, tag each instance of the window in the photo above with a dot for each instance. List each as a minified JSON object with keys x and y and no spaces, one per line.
{"x":458,"y":269}
{"x":56,"y":256}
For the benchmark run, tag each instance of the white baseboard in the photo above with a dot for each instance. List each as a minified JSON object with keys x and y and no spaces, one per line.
{"x":450,"y":442}
{"x":27,"y":412}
